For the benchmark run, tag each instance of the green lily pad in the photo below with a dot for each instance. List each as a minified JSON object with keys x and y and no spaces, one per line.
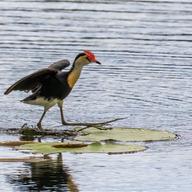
{"x":110,"y":148}
{"x":125,"y":134}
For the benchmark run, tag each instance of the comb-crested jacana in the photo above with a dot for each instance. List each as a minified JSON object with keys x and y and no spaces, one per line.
{"x":50,"y":86}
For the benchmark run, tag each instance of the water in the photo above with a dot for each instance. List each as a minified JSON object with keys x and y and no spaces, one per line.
{"x":145,"y":48}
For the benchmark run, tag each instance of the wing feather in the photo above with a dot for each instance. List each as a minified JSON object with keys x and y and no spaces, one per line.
{"x":31,"y":82}
{"x":60,"y":65}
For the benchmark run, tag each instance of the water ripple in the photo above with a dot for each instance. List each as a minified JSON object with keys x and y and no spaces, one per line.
{"x":145,"y":50}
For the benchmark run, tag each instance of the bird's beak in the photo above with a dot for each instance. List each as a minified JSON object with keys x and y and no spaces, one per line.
{"x":97,"y":62}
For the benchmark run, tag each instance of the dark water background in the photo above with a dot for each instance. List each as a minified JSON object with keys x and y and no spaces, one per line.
{"x":145,"y":48}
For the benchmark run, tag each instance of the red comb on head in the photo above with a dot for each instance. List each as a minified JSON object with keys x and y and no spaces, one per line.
{"x":90,"y":55}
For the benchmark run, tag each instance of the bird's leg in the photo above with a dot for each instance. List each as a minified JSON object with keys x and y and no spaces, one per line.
{"x":40,"y":120}
{"x":60,"y":105}
{"x":99,"y":124}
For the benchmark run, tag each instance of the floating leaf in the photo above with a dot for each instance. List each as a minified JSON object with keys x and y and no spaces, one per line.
{"x":69,"y":145}
{"x":110,"y":148}
{"x":125,"y":134}
{"x":14,"y":143}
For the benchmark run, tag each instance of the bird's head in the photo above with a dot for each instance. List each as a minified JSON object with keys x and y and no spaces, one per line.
{"x":85,"y":58}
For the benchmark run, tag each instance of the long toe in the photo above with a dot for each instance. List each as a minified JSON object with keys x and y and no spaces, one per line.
{"x":65,"y":123}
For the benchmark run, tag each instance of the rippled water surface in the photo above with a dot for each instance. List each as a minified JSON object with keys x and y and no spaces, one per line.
{"x":145,"y":49}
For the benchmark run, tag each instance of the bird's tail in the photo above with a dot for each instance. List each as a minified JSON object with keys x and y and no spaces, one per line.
{"x":29,"y":98}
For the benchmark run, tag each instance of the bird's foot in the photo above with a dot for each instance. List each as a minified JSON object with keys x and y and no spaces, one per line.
{"x":65,"y":123}
{"x":39,"y":127}
{"x":82,"y":124}
{"x":24,"y":126}
{"x":98,"y":125}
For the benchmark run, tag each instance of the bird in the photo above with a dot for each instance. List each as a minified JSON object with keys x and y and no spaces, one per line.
{"x":50,"y":86}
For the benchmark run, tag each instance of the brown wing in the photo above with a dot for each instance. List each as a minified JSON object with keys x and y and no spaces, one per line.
{"x":31,"y":82}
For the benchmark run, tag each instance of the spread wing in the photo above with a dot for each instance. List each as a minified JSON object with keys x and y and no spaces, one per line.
{"x":31,"y":82}
{"x":34,"y":81}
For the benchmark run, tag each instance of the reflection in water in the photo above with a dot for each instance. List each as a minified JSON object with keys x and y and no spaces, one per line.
{"x":39,"y":176}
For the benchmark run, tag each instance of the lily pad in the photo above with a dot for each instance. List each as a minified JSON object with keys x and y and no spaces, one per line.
{"x":125,"y":134}
{"x":69,"y":145}
{"x":14,"y":143}
{"x":110,"y":148}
